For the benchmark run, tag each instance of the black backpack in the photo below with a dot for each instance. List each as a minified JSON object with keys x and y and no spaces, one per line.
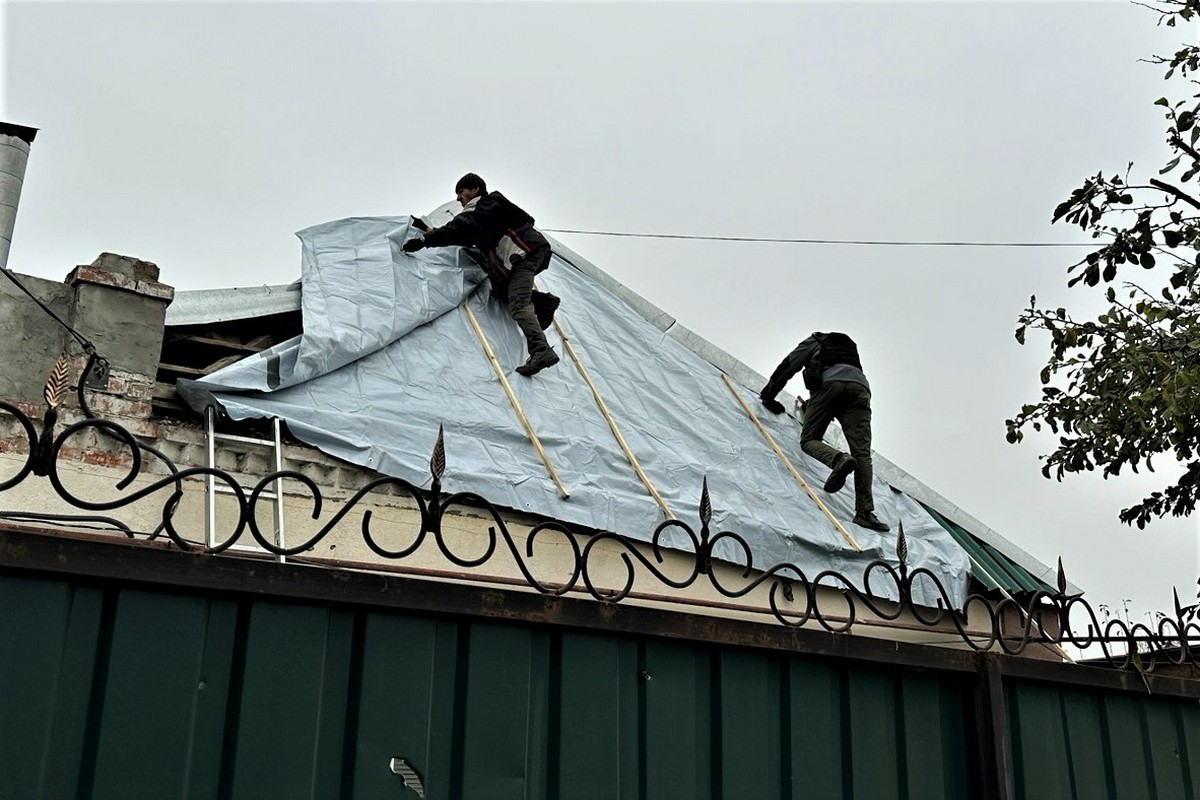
{"x":815,"y":366}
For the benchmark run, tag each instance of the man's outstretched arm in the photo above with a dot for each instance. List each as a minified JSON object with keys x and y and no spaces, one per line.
{"x":792,"y":363}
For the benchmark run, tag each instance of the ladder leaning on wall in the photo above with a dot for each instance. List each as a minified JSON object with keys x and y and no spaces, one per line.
{"x":212,"y":488}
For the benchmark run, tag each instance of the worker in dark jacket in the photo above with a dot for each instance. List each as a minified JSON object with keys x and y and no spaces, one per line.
{"x":513,"y":253}
{"x":839,"y":390}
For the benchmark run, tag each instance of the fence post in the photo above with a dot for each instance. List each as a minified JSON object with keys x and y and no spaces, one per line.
{"x":991,"y":730}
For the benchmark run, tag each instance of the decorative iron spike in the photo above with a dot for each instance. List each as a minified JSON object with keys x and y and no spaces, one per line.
{"x":56,"y":384}
{"x":437,"y":461}
{"x":705,"y":503}
{"x":902,"y":547}
{"x":1062,"y":579}
{"x":1178,"y":608}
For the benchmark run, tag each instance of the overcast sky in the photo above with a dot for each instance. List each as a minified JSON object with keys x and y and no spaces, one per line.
{"x":201,"y":136}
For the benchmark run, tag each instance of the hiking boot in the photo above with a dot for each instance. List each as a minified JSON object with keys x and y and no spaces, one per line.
{"x":545,"y":310}
{"x":538,"y":362}
{"x":867,"y":519}
{"x":843,"y":465}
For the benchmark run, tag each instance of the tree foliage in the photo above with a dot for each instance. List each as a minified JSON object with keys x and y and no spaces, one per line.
{"x":1125,"y":387}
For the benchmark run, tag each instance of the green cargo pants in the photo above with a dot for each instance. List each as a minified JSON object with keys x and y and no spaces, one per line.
{"x":520,"y":299}
{"x":850,"y":404}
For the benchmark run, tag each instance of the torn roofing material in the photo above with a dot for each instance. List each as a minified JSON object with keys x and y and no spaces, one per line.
{"x":390,"y":352}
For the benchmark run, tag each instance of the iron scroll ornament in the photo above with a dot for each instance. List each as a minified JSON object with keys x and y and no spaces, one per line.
{"x":793,"y":597}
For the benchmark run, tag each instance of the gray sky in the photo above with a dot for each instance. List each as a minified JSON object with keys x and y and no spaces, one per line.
{"x":200,"y":136}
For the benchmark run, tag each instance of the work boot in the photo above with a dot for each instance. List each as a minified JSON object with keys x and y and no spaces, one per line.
{"x":538,"y":362}
{"x":867,"y":519}
{"x":545,"y":310}
{"x":843,"y":465}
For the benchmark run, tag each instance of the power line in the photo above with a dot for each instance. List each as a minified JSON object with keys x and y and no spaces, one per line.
{"x":87,"y":346}
{"x":868,"y":242}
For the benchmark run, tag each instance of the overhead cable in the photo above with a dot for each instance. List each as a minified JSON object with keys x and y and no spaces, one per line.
{"x":87,"y":346}
{"x":868,"y":242}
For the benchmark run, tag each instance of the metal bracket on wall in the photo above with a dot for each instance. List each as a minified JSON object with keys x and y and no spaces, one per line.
{"x":97,"y":377}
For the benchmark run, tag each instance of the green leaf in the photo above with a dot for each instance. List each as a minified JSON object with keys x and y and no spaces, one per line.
{"x":1162,"y":101}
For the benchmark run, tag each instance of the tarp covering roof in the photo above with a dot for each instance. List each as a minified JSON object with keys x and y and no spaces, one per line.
{"x":388,"y":354}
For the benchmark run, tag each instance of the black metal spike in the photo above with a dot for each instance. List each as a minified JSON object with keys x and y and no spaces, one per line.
{"x":1062,"y":579}
{"x":437,"y":461}
{"x":902,"y":547}
{"x":705,"y":504}
{"x":1178,"y":608}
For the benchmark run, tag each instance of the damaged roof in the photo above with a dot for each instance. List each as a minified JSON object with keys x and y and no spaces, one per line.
{"x":394,"y":346}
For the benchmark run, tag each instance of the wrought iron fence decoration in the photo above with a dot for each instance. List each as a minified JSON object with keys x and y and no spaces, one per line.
{"x":1050,"y":618}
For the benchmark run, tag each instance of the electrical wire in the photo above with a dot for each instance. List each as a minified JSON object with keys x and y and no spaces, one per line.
{"x":774,"y":240}
{"x":87,"y":346}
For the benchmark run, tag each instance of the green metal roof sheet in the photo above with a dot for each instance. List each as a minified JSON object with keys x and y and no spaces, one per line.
{"x":988,"y":565}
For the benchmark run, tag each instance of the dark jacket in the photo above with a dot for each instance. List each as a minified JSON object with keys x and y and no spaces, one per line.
{"x":498,"y":228}
{"x":845,"y":366}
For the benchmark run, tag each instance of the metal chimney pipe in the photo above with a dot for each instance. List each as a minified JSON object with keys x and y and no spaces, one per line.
{"x":14,"y":154}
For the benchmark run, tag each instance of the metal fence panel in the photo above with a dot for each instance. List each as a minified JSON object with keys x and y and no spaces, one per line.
{"x":1077,"y":743}
{"x":933,"y":739}
{"x":589,"y":725}
{"x":161,"y":730}
{"x":393,"y":700}
{"x":1039,"y":742}
{"x":115,"y":690}
{"x":870,"y":714}
{"x":750,"y":726}
{"x":1085,"y":745}
{"x":289,"y":697}
{"x":49,"y":633}
{"x":815,"y":692}
{"x":676,"y":721}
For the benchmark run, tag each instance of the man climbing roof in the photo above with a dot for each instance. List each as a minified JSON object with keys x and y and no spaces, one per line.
{"x":514,"y":252}
{"x":838,"y":389}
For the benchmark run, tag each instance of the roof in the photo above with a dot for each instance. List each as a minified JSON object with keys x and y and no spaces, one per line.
{"x":222,"y":305}
{"x":786,"y":528}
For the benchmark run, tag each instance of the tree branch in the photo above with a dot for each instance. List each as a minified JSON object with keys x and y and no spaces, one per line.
{"x":1185,"y":147}
{"x":1168,"y":188}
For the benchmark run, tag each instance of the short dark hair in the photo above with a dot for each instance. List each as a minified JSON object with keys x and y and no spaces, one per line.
{"x":471,"y":181}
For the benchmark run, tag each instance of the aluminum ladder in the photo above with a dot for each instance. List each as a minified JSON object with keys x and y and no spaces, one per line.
{"x":212,"y":488}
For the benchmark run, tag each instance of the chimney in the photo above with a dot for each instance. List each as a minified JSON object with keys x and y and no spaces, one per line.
{"x":14,"y":153}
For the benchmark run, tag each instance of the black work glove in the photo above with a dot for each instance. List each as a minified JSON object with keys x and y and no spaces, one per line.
{"x":419,"y":224}
{"x":413,"y":245}
{"x":771,"y":404}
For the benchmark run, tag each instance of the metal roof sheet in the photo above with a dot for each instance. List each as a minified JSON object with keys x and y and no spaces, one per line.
{"x":205,"y":306}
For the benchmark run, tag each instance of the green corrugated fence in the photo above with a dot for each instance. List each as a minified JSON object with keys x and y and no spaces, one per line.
{"x":112,"y":690}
